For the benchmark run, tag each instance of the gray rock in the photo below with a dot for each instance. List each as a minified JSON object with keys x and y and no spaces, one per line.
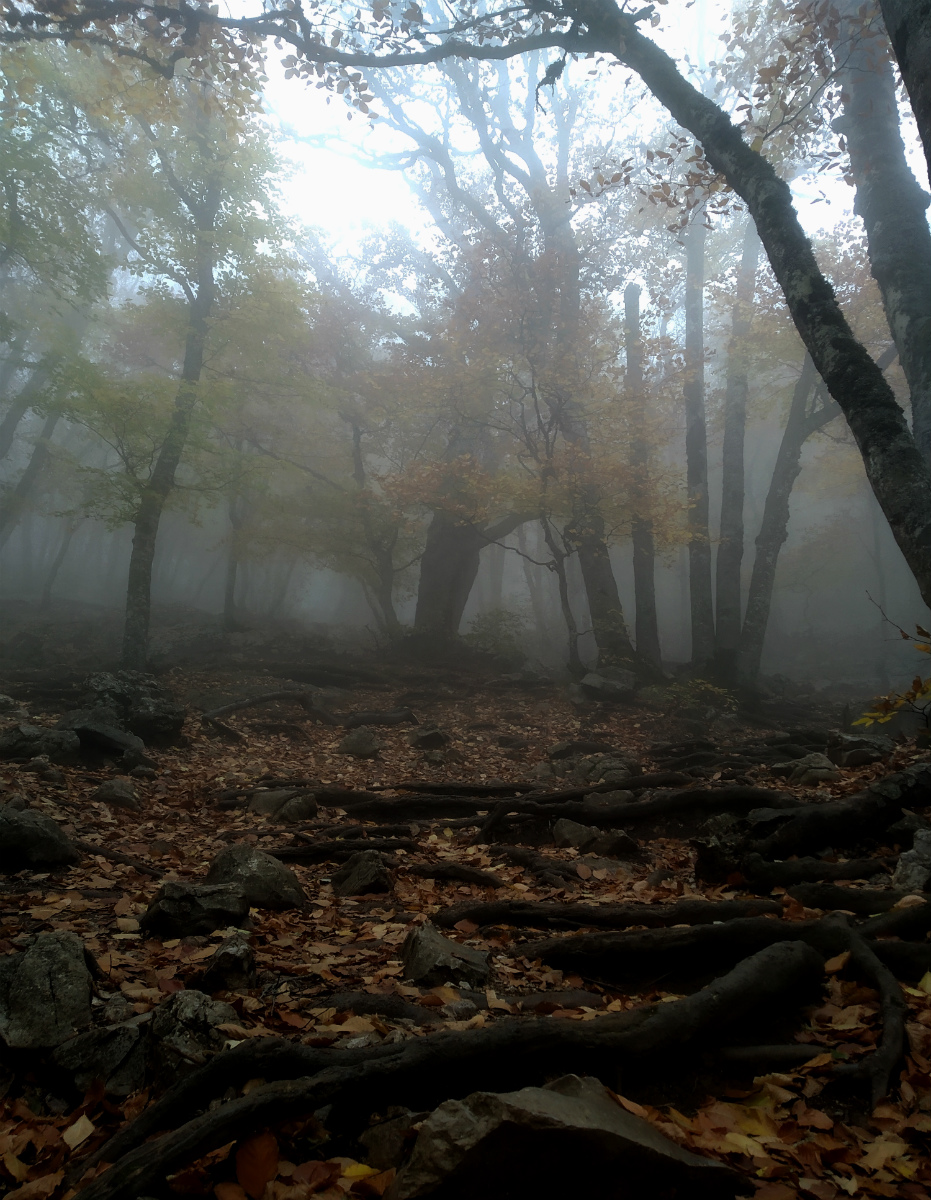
{"x":98,"y":728}
{"x":609,"y":683}
{"x":432,"y":960}
{"x":595,"y":862}
{"x":185,"y":909}
{"x":232,"y":968}
{"x":428,"y":738}
{"x":299,"y":808}
{"x":595,"y":841}
{"x":571,"y":833}
{"x":140,"y":704}
{"x":577,"y":748}
{"x":268,"y":803}
{"x":605,"y":768}
{"x":913,"y":871}
{"x":360,"y":743}
{"x":535,"y":1142}
{"x":7,"y":703}
{"x":45,"y":993}
{"x":31,"y":839}
{"x":388,"y":1142}
{"x":541,"y":770}
{"x":858,"y":750}
{"x":363,"y":874}
{"x":796,"y":769}
{"x":114,"y":1055}
{"x":118,"y":793}
{"x":30,"y":741}
{"x":265,"y":882}
{"x":607,"y":799}
{"x":816,"y":775}
{"x":184,"y":1033}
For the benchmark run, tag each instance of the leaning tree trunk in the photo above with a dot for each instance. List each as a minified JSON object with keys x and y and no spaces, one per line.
{"x":892,"y":207}
{"x":909,"y":26}
{"x":701,"y":608}
{"x":162,"y":481}
{"x":731,"y":546}
{"x":897,"y":470}
{"x":70,"y":530}
{"x":15,"y":501}
{"x":587,"y":534}
{"x":646,"y":629}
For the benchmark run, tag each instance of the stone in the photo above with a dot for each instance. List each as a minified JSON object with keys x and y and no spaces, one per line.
{"x":433,"y":960}
{"x":388,"y":1142}
{"x":183,"y":909}
{"x":45,"y":993}
{"x":114,"y":1054}
{"x":184,"y":1033}
{"x":592,"y":840}
{"x":510,"y":741}
{"x":7,"y":703}
{"x":595,"y":862}
{"x":816,"y":775}
{"x":858,"y":750}
{"x":609,"y":683}
{"x":232,"y":968}
{"x":98,"y":729}
{"x":572,"y":749}
{"x":269,"y":802}
{"x":30,"y":741}
{"x":299,"y":808}
{"x":913,"y":870}
{"x":363,"y":873}
{"x":140,"y":705}
{"x":31,"y":839}
{"x":542,"y":771}
{"x":818,"y":768}
{"x":571,"y":833}
{"x":360,"y":743}
{"x":605,"y":768}
{"x":607,"y":799}
{"x":428,"y":738}
{"x":543,"y":1142}
{"x":118,"y":793}
{"x":265,"y":882}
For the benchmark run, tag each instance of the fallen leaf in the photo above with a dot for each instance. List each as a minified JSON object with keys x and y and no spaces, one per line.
{"x":38,"y":1187}
{"x":257,"y":1163}
{"x":318,"y":1175}
{"x":837,"y":963}
{"x":79,"y":1132}
{"x":229,"y":1191}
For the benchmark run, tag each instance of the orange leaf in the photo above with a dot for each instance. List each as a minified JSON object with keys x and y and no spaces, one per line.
{"x":257,"y":1163}
{"x":229,"y":1191}
{"x":317,"y":1175}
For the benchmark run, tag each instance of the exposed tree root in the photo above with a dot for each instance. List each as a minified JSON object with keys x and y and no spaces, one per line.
{"x":456,"y":872}
{"x":542,"y":915}
{"x":424,"y":1071}
{"x":118,"y":856}
{"x":765,"y":875}
{"x":338,"y":849}
{"x":862,"y":901}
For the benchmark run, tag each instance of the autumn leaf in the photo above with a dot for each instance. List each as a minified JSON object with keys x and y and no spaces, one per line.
{"x":79,"y":1132}
{"x":317,"y":1175}
{"x":257,"y":1163}
{"x":229,"y":1191}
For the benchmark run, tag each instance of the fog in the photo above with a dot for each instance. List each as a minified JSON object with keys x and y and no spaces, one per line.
{"x":475,"y":354}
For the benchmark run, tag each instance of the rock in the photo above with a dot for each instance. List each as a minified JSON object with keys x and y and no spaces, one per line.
{"x":232,"y":968}
{"x":858,"y":750}
{"x":45,"y":993}
{"x":913,"y":871}
{"x":118,"y":793}
{"x":595,"y":863}
{"x":269,"y":803}
{"x":660,"y":876}
{"x":510,"y":741}
{"x":301,"y":807}
{"x":609,"y":683}
{"x":363,"y":874}
{"x":541,"y":770}
{"x":592,"y":840}
{"x":115,"y":1055}
{"x":182,"y":909}
{"x":571,"y":749}
{"x":98,"y":729}
{"x":265,"y":882}
{"x":387,"y":1143}
{"x":816,"y":775}
{"x":813,"y":768}
{"x":428,"y":738}
{"x":360,"y":743}
{"x":433,"y":960}
{"x":30,"y":741}
{"x":139,"y":703}
{"x":571,"y":833}
{"x":605,"y":768}
{"x":607,"y":799}
{"x":435,"y":757}
{"x":542,"y":1142}
{"x":185,"y":1034}
{"x":7,"y":703}
{"x":31,"y":839}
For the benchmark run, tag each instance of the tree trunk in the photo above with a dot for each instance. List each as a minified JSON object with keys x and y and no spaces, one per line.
{"x":731,"y":546}
{"x":908,"y":23}
{"x":646,"y":630}
{"x":70,"y":530}
{"x":774,"y":527}
{"x":14,"y":502}
{"x":892,"y":207}
{"x":532,"y":579}
{"x":897,"y":470}
{"x":587,"y":534}
{"x":696,"y":446}
{"x":162,"y":481}
{"x":559,"y":556}
{"x":448,"y":569}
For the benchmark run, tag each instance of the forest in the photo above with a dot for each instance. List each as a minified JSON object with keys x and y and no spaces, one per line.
{"x":465,"y":568}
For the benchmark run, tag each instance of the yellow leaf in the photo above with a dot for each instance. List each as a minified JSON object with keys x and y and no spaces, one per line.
{"x":924,"y":983}
{"x":359,"y":1171}
{"x":745,"y":1144}
{"x":17,"y":1169}
{"x":837,"y":963}
{"x":79,"y":1132}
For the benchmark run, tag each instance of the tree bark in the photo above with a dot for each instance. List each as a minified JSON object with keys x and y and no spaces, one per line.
{"x":646,"y":630}
{"x":731,"y":545}
{"x":14,"y":502}
{"x":701,"y":610}
{"x":70,"y":530}
{"x":908,"y":23}
{"x":892,"y":207}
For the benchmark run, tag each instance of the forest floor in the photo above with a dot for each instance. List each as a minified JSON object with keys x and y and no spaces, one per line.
{"x":790,"y":1132}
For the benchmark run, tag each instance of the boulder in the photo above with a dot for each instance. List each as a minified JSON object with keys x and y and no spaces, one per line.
{"x":433,"y":960}
{"x":98,"y":729}
{"x":595,"y":841}
{"x":140,"y":704}
{"x":858,"y":750}
{"x":268,"y":802}
{"x":113,"y":1054}
{"x":31,"y":839}
{"x":31,"y":741}
{"x":608,"y":799}
{"x":189,"y":909}
{"x":265,"y":882}
{"x":362,"y":874}
{"x":609,"y":683}
{"x":808,"y":771}
{"x":428,"y":738}
{"x":360,"y":743}
{"x":184,"y":1033}
{"x":232,"y":968}
{"x":605,"y":768}
{"x":542,"y":1142}
{"x":913,"y":870}
{"x":301,"y":807}
{"x":45,"y":993}
{"x":118,"y":793}
{"x":7,"y":703}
